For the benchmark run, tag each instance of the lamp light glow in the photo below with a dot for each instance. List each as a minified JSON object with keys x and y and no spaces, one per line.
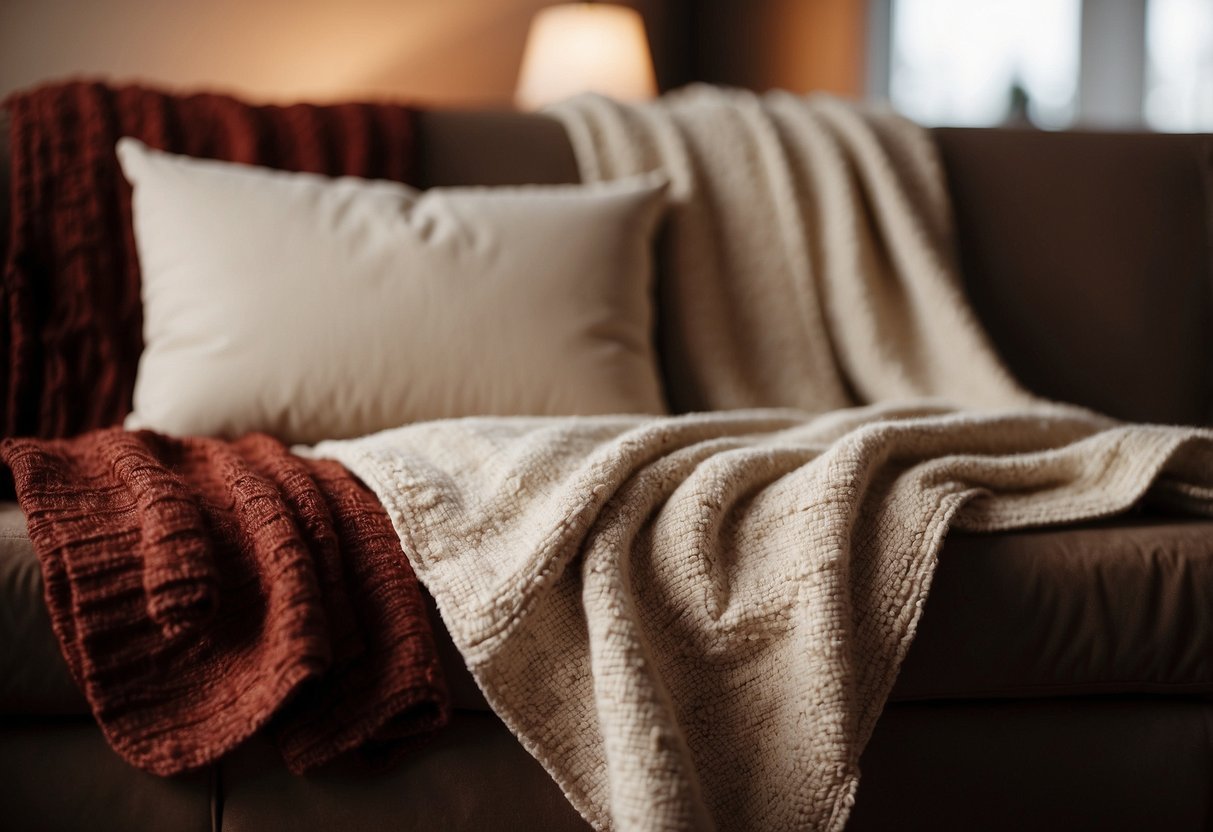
{"x":585,"y":47}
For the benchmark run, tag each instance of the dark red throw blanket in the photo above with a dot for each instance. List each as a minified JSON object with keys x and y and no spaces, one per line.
{"x":71,"y":323}
{"x":203,"y":589}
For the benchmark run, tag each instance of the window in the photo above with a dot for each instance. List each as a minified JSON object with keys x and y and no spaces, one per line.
{"x":961,"y":62}
{"x":1179,"y":65}
{"x":1120,"y":64}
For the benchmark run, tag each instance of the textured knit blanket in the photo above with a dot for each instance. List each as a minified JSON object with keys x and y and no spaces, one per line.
{"x":809,"y":260}
{"x":694,"y":622}
{"x":71,"y":316}
{"x":200,"y":589}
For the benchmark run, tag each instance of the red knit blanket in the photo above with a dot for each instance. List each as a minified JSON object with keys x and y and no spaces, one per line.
{"x":71,"y":322}
{"x":203,"y":589}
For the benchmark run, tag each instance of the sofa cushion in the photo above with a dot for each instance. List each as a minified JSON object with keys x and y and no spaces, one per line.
{"x":472,"y":776}
{"x":1120,"y":607}
{"x":1079,"y":765}
{"x":33,"y":676}
{"x":60,"y":775}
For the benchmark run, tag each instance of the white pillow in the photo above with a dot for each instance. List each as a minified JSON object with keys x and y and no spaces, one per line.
{"x":315,"y":308}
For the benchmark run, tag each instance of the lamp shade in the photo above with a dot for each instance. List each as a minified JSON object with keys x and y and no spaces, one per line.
{"x":585,"y":47}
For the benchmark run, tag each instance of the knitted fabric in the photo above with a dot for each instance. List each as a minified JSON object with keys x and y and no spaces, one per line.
{"x":809,"y":258}
{"x":71,"y":323}
{"x":694,"y":622}
{"x":200,"y":589}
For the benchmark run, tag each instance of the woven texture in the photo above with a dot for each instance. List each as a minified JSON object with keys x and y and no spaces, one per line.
{"x":72,"y":319}
{"x":809,"y":257}
{"x":695,"y":622}
{"x":201,"y":588}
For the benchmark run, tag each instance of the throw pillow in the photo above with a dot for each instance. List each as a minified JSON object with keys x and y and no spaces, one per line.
{"x":314,"y":308}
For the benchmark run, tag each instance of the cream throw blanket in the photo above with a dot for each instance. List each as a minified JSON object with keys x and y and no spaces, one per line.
{"x":694,"y":622}
{"x":809,"y":259}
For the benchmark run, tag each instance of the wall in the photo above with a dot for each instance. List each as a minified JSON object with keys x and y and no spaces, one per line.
{"x":451,"y":52}
{"x":442,"y":51}
{"x":801,"y":45}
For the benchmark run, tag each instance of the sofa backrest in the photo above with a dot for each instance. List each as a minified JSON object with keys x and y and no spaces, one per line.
{"x":1088,"y":256}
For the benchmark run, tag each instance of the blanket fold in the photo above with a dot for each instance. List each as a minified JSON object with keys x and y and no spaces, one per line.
{"x":694,"y":622}
{"x":202,"y":590}
{"x":71,"y":323}
{"x":809,"y":260}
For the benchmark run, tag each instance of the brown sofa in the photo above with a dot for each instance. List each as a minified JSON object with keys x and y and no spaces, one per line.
{"x":1061,"y":679}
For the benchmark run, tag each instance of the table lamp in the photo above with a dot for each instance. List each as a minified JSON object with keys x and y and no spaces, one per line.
{"x":585,"y":47}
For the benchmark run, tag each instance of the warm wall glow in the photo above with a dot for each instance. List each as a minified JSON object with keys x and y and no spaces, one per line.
{"x":586,"y":47}
{"x":443,"y":52}
{"x":799,"y":45}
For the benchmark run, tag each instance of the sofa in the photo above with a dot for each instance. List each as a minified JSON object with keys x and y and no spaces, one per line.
{"x":1060,"y":678}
